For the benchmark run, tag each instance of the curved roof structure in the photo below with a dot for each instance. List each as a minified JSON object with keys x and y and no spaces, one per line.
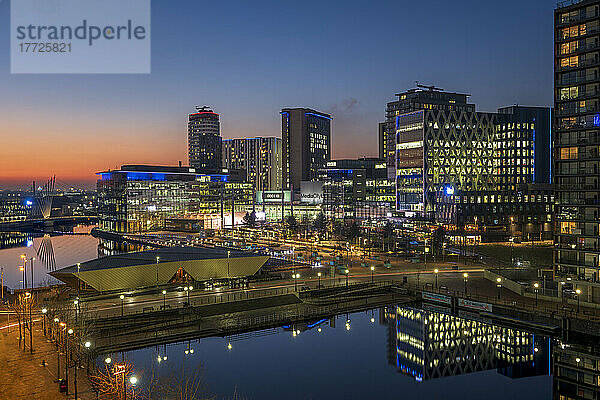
{"x":140,"y":269}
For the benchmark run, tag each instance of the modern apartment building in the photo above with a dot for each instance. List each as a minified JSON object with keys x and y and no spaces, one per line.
{"x":204,"y":140}
{"x":258,"y":158}
{"x":576,"y":145}
{"x":306,"y":144}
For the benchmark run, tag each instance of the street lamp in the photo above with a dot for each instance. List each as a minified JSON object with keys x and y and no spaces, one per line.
{"x":347,"y":271}
{"x":578,"y":291}
{"x":319,"y":275}
{"x":499,"y":286}
{"x":372,"y":273}
{"x":295,"y":277}
{"x":436,"y":272}
{"x":164,"y":293}
{"x":76,"y":303}
{"x":122,"y":297}
{"x":108,"y":360}
{"x":188,"y":289}
{"x":157,"y":259}
{"x":228,"y":255}
{"x":78,"y":279}
{"x":44,"y":311}
{"x":536,"y":286}
{"x":465,"y":277}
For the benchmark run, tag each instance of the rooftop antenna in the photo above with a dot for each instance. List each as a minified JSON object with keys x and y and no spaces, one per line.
{"x":430,"y":88}
{"x":203,"y":109}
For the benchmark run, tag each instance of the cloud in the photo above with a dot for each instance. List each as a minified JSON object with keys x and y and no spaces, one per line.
{"x":346,"y":105}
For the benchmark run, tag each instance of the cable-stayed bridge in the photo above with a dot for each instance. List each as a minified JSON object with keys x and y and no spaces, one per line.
{"x":38,"y":210}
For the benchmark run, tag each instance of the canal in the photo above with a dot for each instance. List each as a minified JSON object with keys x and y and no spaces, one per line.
{"x":389,"y":353}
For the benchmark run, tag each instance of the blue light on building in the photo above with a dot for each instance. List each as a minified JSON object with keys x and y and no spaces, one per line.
{"x":449,"y":190}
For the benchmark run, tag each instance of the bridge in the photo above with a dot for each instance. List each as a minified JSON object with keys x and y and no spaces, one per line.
{"x":38,"y":211}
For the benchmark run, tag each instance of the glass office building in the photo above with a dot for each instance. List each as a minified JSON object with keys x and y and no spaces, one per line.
{"x":141,"y":198}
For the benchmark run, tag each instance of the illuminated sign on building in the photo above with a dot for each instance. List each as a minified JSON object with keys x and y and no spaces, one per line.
{"x":273,"y":196}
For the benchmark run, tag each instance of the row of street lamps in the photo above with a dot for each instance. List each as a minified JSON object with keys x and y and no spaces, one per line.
{"x":63,"y":339}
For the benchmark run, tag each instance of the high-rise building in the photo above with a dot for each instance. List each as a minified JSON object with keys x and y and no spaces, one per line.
{"x":576,"y":142}
{"x":306,"y":144}
{"x":421,"y":98}
{"x":463,"y":167}
{"x":259,"y":158}
{"x":204,"y":140}
{"x":382,"y":140}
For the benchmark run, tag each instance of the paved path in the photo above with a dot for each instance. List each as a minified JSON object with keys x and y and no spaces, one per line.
{"x":22,"y":375}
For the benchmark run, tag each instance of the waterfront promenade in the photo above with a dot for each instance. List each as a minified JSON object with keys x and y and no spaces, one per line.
{"x":22,"y":374}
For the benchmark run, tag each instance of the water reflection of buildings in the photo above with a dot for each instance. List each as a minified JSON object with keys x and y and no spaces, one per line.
{"x":430,"y":344}
{"x":576,"y":371}
{"x":10,"y":240}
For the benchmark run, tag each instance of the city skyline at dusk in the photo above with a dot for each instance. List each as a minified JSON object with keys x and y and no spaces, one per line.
{"x":346,"y":59}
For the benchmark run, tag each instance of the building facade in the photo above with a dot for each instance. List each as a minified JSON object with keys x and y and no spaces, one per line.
{"x":470,"y":168}
{"x":357,"y":189}
{"x":421,"y":98}
{"x":382,"y":137}
{"x":576,"y":143}
{"x":306,"y":144}
{"x":141,"y":198}
{"x":259,"y":158}
{"x":204,"y":140}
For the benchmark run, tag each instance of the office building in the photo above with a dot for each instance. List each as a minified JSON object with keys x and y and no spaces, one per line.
{"x":357,"y":189}
{"x":258,"y":159}
{"x":382,"y":136}
{"x":204,"y":141}
{"x":306,"y":144}
{"x":576,"y":143}
{"x":141,"y":198}
{"x":467,"y":168}
{"x":420,"y":98}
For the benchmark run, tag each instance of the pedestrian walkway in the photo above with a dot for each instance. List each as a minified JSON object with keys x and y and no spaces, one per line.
{"x":22,"y":375}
